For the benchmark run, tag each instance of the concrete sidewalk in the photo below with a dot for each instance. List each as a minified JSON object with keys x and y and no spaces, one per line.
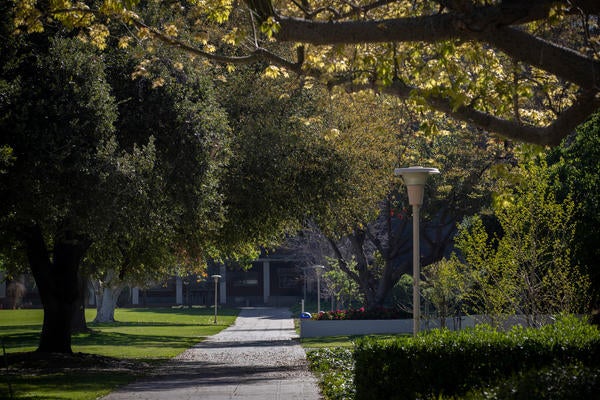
{"x":257,"y":358}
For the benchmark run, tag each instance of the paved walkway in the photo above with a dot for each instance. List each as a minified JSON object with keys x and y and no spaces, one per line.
{"x":257,"y":358}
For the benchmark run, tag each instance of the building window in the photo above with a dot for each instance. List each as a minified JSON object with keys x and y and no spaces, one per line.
{"x":246,"y":280}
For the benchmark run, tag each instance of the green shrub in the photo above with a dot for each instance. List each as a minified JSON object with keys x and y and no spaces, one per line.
{"x":556,"y":382}
{"x":442,"y":362}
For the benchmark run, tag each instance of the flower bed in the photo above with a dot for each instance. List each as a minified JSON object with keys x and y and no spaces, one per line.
{"x":361,"y":314}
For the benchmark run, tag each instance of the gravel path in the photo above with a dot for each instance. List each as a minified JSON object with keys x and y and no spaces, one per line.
{"x":257,"y":358}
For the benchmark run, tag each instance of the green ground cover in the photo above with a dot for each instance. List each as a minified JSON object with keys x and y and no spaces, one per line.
{"x":344,"y":341}
{"x":110,"y":355}
{"x":330,"y":358}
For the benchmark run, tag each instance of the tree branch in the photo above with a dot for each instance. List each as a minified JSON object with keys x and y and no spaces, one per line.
{"x":342,"y":261}
{"x":411,"y":29}
{"x":558,"y":60}
{"x":552,"y":134}
{"x":489,"y":24}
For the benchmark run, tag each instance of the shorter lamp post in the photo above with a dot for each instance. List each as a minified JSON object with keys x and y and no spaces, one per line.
{"x":304,"y":287}
{"x":216,"y":279}
{"x":414,"y":179}
{"x":318,"y":271}
{"x":186,"y":285}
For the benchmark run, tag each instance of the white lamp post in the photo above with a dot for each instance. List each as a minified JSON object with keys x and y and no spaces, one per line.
{"x":414,"y":179}
{"x":318,"y":271}
{"x":216,"y":279}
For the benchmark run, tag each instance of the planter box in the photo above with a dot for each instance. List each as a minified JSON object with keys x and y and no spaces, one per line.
{"x":312,"y":328}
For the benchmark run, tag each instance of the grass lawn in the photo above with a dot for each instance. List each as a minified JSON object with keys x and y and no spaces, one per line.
{"x":111,"y":355}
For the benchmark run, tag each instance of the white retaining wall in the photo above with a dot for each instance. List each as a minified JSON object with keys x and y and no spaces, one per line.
{"x":313,"y":328}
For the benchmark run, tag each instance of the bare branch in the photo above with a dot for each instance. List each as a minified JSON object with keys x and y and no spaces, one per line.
{"x":558,"y":60}
{"x":342,"y":261}
{"x":582,"y":108}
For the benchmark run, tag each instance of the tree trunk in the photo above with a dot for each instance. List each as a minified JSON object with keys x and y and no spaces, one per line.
{"x":105,"y":310}
{"x":78,"y":323}
{"x":107,"y":294}
{"x":57,"y":284}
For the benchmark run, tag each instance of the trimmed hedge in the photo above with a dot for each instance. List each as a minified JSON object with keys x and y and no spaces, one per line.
{"x":556,"y":382}
{"x":443,"y":362}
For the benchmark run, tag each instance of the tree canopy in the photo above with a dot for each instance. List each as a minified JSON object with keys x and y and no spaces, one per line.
{"x":525,"y":70}
{"x":103,"y":169}
{"x":125,"y":162}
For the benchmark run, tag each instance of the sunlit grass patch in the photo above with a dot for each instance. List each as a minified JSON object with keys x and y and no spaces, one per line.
{"x":111,"y":355}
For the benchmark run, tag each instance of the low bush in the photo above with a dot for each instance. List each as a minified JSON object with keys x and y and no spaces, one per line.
{"x":362,"y":313}
{"x":555,"y":382}
{"x":442,"y":362}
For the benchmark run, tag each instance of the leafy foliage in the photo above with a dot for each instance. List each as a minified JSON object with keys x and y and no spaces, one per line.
{"x":337,"y":283}
{"x":57,"y":132}
{"x":376,"y":252}
{"x":444,"y":287}
{"x":528,"y":269}
{"x":525,"y":70}
{"x":298,"y":156}
{"x":575,"y":164}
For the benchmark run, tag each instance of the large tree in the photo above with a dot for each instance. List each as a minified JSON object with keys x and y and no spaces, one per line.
{"x":93,"y":174}
{"x":171,"y":107}
{"x":57,"y":117}
{"x":526,"y":70}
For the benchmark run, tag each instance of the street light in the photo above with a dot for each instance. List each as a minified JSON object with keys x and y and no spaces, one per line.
{"x":318,"y":271}
{"x":304,"y":287}
{"x":414,"y":179}
{"x":186,"y":284}
{"x":216,"y":279}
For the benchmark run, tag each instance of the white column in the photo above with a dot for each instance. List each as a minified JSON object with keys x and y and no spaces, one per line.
{"x":223,"y":285}
{"x":178,"y":290}
{"x":266,"y":281}
{"x":135,"y":296}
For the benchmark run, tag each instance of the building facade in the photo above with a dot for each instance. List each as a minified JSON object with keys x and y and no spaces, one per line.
{"x":274,"y":280}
